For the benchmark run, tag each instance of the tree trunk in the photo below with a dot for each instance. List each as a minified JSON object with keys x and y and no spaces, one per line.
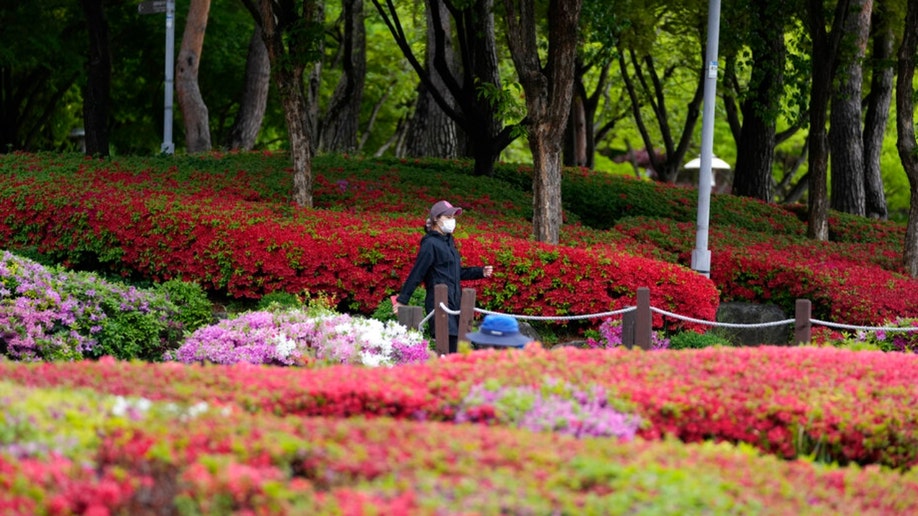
{"x":194,"y":110}
{"x":474,"y":113}
{"x":845,"y":137}
{"x":97,"y":94}
{"x":755,"y":151}
{"x":430,"y":131}
{"x":575,"y":136}
{"x":905,"y":131}
{"x":546,"y":185}
{"x":878,"y":102}
{"x":289,"y":58}
{"x":289,"y":85}
{"x":254,"y":95}
{"x":548,"y":100}
{"x":342,"y":120}
{"x":825,"y":51}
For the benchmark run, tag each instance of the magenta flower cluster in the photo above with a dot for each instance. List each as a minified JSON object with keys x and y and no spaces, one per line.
{"x":610,"y":332}
{"x":554,"y":406}
{"x":299,"y":337}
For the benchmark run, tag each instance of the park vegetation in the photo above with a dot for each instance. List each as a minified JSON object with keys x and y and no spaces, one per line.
{"x":297,"y":417}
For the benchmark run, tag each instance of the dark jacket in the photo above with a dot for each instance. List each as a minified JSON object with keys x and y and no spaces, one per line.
{"x":438,"y":261}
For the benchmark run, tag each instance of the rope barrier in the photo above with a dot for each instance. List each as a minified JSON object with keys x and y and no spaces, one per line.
{"x":563,"y":317}
{"x":722,"y":324}
{"x":674,"y":316}
{"x":862,"y":328}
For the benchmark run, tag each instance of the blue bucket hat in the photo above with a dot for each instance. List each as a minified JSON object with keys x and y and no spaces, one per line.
{"x":498,"y":331}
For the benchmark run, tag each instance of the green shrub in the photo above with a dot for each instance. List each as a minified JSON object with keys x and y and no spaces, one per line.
{"x":194,"y":308}
{"x":384,"y":311}
{"x":139,"y":323}
{"x":693,"y":340}
{"x":279,"y":299}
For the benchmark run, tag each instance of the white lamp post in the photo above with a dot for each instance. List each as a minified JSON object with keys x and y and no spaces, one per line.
{"x":701,"y":256}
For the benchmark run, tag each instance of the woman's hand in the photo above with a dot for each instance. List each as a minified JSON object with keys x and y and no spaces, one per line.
{"x":488,"y":270}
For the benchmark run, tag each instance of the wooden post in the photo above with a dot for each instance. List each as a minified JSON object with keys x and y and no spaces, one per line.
{"x":628,"y":329}
{"x":441,"y":319}
{"x":643,"y":320}
{"x":410,"y":316}
{"x":466,"y":312}
{"x":802,"y":327}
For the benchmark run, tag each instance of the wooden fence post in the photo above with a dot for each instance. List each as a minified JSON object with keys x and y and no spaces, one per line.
{"x":410,"y":316}
{"x":643,"y":320}
{"x":441,"y":319}
{"x":628,"y":329}
{"x":802,"y":327}
{"x":466,"y":312}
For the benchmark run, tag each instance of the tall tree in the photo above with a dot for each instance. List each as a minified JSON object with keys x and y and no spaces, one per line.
{"x":254,"y":98}
{"x":548,"y":90}
{"x":881,"y":65}
{"x":97,"y":93}
{"x":645,"y":86}
{"x":600,"y":25}
{"x":292,"y":33}
{"x":845,"y":137}
{"x":39,"y":66}
{"x":430,"y":132}
{"x":905,"y":131}
{"x":477,"y":88}
{"x":825,"y":52}
{"x":194,"y":109}
{"x":338,"y":131}
{"x":759,"y":102}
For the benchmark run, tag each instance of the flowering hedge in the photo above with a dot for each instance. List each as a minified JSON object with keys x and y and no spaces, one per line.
{"x":137,"y":455}
{"x":300,"y":337}
{"x":157,"y":446}
{"x":851,"y":407}
{"x":855,"y":283}
{"x":143,"y":223}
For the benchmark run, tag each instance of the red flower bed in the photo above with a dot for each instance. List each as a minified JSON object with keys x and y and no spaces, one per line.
{"x":839,"y":405}
{"x":229,"y":243}
{"x":850,"y":283}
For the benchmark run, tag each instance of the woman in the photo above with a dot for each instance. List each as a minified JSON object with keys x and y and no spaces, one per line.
{"x":438,"y":261}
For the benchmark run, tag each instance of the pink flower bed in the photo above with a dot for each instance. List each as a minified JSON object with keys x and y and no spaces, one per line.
{"x":225,"y":460}
{"x":852,"y":407}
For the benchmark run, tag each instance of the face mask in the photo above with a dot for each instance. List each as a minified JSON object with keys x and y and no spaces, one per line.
{"x":448,"y":225}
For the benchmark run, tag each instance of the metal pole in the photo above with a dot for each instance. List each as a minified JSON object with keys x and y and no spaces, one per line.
{"x":701,"y":256}
{"x":168,"y":145}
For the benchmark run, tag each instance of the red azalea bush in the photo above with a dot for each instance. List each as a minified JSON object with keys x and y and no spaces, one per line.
{"x":247,"y":248}
{"x":850,"y":283}
{"x":850,"y":407}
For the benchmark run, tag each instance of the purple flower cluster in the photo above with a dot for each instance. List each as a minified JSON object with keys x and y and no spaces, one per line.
{"x":554,"y":406}
{"x":905,"y":340}
{"x":611,"y":332}
{"x":38,"y":318}
{"x":276,"y":338}
{"x":49,"y":313}
{"x":294,"y":337}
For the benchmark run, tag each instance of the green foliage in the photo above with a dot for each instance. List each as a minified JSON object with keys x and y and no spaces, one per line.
{"x":694,"y":340}
{"x":506,"y":103}
{"x":194,"y":308}
{"x":384,"y":311}
{"x":139,"y":324}
{"x":279,"y":299}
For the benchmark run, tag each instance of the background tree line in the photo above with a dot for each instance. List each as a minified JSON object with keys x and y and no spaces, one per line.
{"x":806,"y":86}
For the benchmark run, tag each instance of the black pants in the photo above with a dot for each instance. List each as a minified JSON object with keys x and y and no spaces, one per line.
{"x":453,"y":343}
